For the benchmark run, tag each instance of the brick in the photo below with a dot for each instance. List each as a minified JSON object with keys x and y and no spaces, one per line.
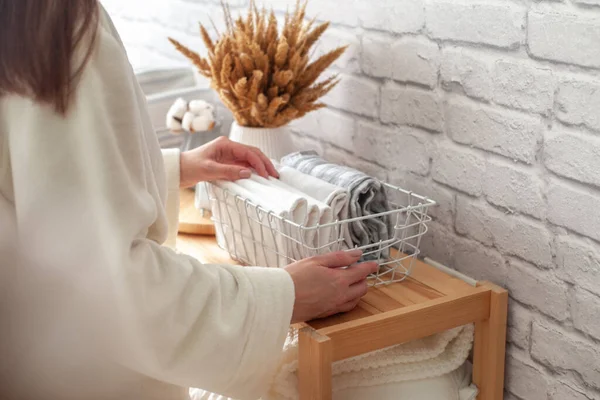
{"x":327,"y":10}
{"x":308,"y":125}
{"x":506,"y":133}
{"x":519,"y":237}
{"x":587,"y":2}
{"x":329,"y":125}
{"x":394,"y":148}
{"x":566,"y":391}
{"x":525,"y":380}
{"x":410,"y":106}
{"x":564,"y":36}
{"x":439,"y":244}
{"x":368,"y":168}
{"x":357,"y":95}
{"x":415,"y":60}
{"x":579,"y":263}
{"x":574,"y":209}
{"x":398,"y":16}
{"x":538,"y":289}
{"x":518,"y":85}
{"x":459,"y":168}
{"x":577,"y":102}
{"x":585,"y":310}
{"x":302,"y":143}
{"x":479,"y":262}
{"x":519,"y":325}
{"x":443,"y":212}
{"x":343,"y":157}
{"x":514,"y":188}
{"x":334,"y":38}
{"x":335,"y":155}
{"x":558,"y":349}
{"x":512,"y":235}
{"x":573,"y":156}
{"x":376,"y":55}
{"x":468,"y":71}
{"x":499,"y":25}
{"x":474,"y":221}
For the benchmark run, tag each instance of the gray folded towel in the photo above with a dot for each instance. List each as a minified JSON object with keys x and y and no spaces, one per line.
{"x":367,"y":196}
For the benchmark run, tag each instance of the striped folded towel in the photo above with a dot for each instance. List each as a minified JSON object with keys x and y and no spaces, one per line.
{"x":367,"y":198}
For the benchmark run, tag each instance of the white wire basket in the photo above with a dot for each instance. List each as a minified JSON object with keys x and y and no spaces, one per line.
{"x":255,"y":236}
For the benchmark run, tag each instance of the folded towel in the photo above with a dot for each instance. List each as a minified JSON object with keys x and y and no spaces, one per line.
{"x":314,"y":237}
{"x":367,"y":198}
{"x":334,"y":196}
{"x":424,"y":358}
{"x":258,"y":237}
{"x":295,"y":235}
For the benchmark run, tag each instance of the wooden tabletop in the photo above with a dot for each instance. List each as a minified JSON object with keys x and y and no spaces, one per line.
{"x":192,"y":220}
{"x":425,"y":284}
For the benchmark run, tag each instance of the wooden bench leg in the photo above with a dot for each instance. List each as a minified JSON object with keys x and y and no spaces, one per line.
{"x":315,"y":355}
{"x":490,"y":346}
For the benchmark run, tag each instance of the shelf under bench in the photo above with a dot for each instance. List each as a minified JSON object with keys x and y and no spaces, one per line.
{"x":428,"y":302}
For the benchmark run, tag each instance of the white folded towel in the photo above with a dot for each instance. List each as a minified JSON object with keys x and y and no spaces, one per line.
{"x":254,"y":235}
{"x":424,"y":358}
{"x":335,"y":197}
{"x":315,"y":237}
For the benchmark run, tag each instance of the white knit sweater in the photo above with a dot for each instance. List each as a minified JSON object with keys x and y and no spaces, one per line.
{"x":92,"y":306}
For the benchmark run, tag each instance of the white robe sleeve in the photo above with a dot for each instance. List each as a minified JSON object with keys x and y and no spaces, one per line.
{"x":171,"y":159}
{"x":89,"y":204}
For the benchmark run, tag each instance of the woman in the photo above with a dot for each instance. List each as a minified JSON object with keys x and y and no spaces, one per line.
{"x":93,"y":306}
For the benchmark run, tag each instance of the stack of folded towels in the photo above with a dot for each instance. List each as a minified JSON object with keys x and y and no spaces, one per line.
{"x":311,"y":193}
{"x":367,"y":196}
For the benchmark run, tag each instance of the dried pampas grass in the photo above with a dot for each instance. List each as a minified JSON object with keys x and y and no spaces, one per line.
{"x":264,"y":76}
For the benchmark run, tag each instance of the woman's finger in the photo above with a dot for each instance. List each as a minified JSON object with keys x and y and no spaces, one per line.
{"x":245,"y":153}
{"x":358,"y":272}
{"x":338,"y":259}
{"x":356,"y":291}
{"x":268,"y":163}
{"x":228,"y":172}
{"x":349,"y":306}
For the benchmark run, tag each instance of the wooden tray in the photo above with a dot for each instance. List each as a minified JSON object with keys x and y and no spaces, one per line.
{"x":428,"y":302}
{"x":190,"y":219}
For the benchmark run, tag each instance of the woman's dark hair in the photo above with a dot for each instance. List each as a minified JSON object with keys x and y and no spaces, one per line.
{"x":38,"y":43}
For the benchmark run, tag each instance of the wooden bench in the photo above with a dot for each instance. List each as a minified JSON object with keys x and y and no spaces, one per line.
{"x":428,"y":302}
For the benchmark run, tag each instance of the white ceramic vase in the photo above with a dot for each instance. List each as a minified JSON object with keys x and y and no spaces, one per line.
{"x":274,"y":142}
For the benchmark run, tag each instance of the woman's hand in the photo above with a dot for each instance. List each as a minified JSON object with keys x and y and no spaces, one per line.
{"x":323,"y":288}
{"x":223,"y":159}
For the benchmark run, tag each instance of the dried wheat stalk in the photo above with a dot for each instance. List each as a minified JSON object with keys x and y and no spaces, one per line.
{"x":264,"y":76}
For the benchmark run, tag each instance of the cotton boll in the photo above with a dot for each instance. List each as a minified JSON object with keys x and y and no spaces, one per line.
{"x":202,"y":124}
{"x":178,"y":108}
{"x":174,"y":126}
{"x":207,"y":113}
{"x":197,"y":106}
{"x":188,"y":119}
{"x":175,"y":114}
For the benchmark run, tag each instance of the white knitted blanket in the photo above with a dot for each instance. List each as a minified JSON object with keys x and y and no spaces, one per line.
{"x":429,"y":357}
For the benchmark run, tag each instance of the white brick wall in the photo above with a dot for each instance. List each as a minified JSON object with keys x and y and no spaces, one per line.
{"x":491,"y":107}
